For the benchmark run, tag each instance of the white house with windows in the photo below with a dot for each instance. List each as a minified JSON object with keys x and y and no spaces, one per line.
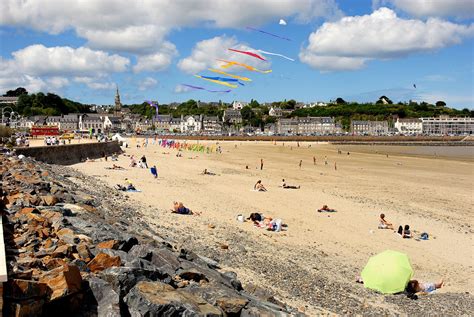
{"x":191,"y":124}
{"x":409,"y":126}
{"x":445,"y":125}
{"x":238,"y":105}
{"x":275,"y":112}
{"x":91,"y":122}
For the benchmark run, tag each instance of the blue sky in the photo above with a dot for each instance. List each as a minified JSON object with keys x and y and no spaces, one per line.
{"x":358,"y":50}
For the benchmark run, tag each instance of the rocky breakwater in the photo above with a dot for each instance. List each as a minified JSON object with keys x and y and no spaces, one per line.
{"x":67,"y":255}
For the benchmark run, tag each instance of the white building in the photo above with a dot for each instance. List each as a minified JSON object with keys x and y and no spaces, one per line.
{"x":275,"y":112}
{"x":444,"y":125}
{"x":190,"y":124}
{"x":409,"y":126}
{"x":238,"y":105}
{"x":91,"y":122}
{"x":112,"y":123}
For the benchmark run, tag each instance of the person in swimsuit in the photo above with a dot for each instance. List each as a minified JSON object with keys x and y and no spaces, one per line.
{"x":178,"y":208}
{"x":415,"y":286}
{"x":284,"y":185}
{"x":259,"y":186}
{"x":384,"y":224}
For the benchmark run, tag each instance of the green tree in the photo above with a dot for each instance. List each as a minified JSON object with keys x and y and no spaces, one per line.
{"x":16,"y":93}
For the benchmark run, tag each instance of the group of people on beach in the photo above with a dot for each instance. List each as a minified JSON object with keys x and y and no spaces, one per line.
{"x":403,"y":231}
{"x":261,"y":188}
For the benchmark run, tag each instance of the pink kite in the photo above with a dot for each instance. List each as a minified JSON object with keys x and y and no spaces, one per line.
{"x":248,"y":53}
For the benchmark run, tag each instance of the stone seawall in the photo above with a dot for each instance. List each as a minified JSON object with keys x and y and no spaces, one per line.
{"x":71,"y":153}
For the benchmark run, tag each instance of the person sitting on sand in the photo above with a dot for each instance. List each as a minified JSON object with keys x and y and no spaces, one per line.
{"x":259,"y":186}
{"x":414,"y":287}
{"x":178,"y":208}
{"x":284,"y":185}
{"x":206,"y":172}
{"x":384,"y":224}
{"x":256,"y":217}
{"x":325,"y":208}
{"x":406,"y":232}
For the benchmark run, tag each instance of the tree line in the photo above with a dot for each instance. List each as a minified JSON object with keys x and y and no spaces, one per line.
{"x":255,"y":114}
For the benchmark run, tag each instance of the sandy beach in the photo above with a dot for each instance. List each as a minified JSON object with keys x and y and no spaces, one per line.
{"x":432,"y":195}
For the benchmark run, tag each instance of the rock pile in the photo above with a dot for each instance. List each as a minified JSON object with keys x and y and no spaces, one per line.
{"x":65,"y":256}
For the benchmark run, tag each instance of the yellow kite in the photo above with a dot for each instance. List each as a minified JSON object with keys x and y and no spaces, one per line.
{"x":230,"y":63}
{"x":217,"y":82}
{"x":230,"y":75}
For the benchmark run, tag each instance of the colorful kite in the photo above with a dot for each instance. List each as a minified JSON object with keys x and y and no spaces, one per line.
{"x":230,"y":75}
{"x":202,"y":88}
{"x":275,"y":54}
{"x":231,"y":80}
{"x":268,"y":33}
{"x":217,"y":82}
{"x":230,"y":63}
{"x":248,"y":53}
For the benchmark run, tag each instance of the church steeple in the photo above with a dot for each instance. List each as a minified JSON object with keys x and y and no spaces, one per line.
{"x":118,"y":104}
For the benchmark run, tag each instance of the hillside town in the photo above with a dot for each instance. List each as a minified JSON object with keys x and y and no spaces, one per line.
{"x":118,"y":118}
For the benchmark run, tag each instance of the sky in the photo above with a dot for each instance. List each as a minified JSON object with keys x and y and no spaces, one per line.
{"x":357,"y":50}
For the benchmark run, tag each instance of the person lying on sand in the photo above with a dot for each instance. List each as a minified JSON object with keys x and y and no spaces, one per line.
{"x":115,"y":167}
{"x":89,"y":160}
{"x":415,"y":286}
{"x":259,"y":186}
{"x":178,"y":208}
{"x":206,"y":172}
{"x":325,"y":208}
{"x":384,"y":224}
{"x":127,"y":187}
{"x":259,"y":220}
{"x":284,"y":185}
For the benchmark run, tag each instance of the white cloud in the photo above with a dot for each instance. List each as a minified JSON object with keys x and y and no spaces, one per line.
{"x":141,"y":26}
{"x":179,"y":89}
{"x":57,"y":82}
{"x":206,"y":53}
{"x":429,"y":8}
{"x":157,"y":61}
{"x":65,"y":60}
{"x":147,"y":83}
{"x":95,"y":83}
{"x":352,"y":41}
{"x":282,"y":22}
{"x":37,"y":67}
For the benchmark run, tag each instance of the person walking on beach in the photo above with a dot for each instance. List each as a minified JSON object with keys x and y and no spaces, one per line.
{"x":301,"y":162}
{"x":335,"y":166}
{"x":325,"y":160}
{"x":153,"y":171}
{"x":143,"y":161}
{"x":314,"y":160}
{"x":261,"y":164}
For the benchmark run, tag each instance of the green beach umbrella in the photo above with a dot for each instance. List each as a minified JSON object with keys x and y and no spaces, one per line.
{"x":388,"y":272}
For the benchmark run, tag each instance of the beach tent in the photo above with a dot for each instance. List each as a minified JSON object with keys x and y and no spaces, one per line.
{"x":118,"y":137}
{"x":388,"y":272}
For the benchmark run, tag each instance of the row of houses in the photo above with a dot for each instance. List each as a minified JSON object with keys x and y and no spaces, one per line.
{"x":442,"y":125}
